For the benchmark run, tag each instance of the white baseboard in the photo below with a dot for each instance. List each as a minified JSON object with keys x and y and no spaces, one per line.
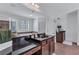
{"x":77,"y":43}
{"x":67,"y":42}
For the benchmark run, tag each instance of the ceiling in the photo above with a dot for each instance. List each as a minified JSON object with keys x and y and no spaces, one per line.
{"x":58,"y":9}
{"x":17,"y":9}
{"x":48,"y":9}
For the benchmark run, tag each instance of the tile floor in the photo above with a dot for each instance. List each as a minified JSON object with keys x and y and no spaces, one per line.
{"x":64,"y":49}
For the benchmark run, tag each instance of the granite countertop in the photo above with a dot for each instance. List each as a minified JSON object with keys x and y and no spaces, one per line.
{"x":24,"y":46}
{"x":45,"y":38}
{"x":31,"y":46}
{"x":25,"y":49}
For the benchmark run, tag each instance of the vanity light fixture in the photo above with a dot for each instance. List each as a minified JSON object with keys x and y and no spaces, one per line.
{"x":35,"y":5}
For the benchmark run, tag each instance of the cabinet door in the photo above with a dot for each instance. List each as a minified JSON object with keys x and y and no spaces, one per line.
{"x":34,"y":50}
{"x":45,"y":49}
{"x":63,"y":36}
{"x":51,"y":46}
{"x":59,"y":37}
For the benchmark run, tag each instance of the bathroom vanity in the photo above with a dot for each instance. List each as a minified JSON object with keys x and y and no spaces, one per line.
{"x":25,"y":45}
{"x":60,"y":36}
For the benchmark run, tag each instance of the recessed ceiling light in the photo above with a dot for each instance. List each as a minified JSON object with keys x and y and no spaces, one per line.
{"x":33,"y":4}
{"x":31,"y":15}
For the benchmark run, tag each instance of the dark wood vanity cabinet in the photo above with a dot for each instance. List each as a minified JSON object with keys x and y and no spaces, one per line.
{"x":48,"y":46}
{"x":51,"y":45}
{"x":45,"y":48}
{"x":60,"y":36}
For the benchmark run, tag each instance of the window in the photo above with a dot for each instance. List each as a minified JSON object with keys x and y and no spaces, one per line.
{"x":31,"y":24}
{"x":13,"y":26}
{"x":25,"y":25}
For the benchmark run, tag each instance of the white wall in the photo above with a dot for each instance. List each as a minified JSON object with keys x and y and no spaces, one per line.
{"x":78,"y":26}
{"x":55,"y":10}
{"x":63,"y":22}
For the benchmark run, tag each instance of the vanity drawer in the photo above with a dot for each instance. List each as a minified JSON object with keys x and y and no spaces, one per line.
{"x":44,"y":43}
{"x":45,"y":50}
{"x":30,"y":52}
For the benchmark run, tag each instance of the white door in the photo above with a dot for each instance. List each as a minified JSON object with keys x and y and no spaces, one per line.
{"x":71,"y":32}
